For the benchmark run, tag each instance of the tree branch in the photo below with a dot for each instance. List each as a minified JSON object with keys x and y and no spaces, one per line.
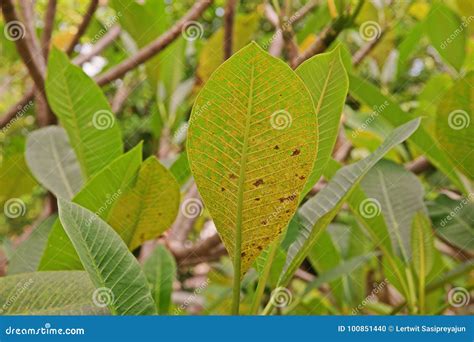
{"x":48,"y":27}
{"x":23,"y":47}
{"x":365,"y":50}
{"x":86,"y":19}
{"x":229,"y":27}
{"x":154,"y":47}
{"x":101,"y":44}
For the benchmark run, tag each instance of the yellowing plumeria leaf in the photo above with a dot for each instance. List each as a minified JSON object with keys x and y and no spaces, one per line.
{"x":84,"y":112}
{"x":110,"y":265}
{"x":149,"y":207}
{"x":455,"y":124}
{"x":327,"y":81}
{"x":422,"y":243}
{"x":49,"y":293}
{"x":252,"y":142}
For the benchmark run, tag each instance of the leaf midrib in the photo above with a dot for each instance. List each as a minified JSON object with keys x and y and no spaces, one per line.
{"x":240,"y":187}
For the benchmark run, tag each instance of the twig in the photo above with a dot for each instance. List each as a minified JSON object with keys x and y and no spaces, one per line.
{"x":154,"y":47}
{"x":48,"y":27}
{"x":229,"y":27}
{"x":419,"y":165}
{"x":183,"y":224}
{"x":83,"y":26}
{"x":23,"y":48}
{"x":105,"y":41}
{"x":367,"y":49}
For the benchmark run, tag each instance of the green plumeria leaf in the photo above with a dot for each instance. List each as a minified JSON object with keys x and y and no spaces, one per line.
{"x":422,"y":244}
{"x":326,"y":79}
{"x":318,"y":212}
{"x":392,"y":113}
{"x":111,"y":267}
{"x":84,"y":112}
{"x":27,"y":255}
{"x":49,"y":293}
{"x":397,"y":194}
{"x":453,"y":220}
{"x":149,"y":207}
{"x":98,"y":195}
{"x":160,"y":271}
{"x":252,"y":141}
{"x":455,"y":124}
{"x":441,"y":25}
{"x":53,"y":162}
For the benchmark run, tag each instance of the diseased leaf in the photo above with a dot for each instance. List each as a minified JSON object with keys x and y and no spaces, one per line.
{"x":455,"y":124}
{"x":26,"y":257}
{"x":327,"y":81}
{"x":107,"y":260}
{"x":48,"y":293}
{"x":98,"y":195}
{"x":252,"y":141}
{"x":454,"y":220}
{"x":318,"y":211}
{"x":392,"y":113}
{"x":53,"y":162}
{"x":149,"y":207}
{"x":84,"y":112}
{"x":397,"y":194}
{"x":160,"y":271}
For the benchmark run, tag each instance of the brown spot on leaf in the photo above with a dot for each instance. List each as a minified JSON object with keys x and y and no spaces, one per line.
{"x":243,"y":254}
{"x":232,"y":176}
{"x":295,"y":152}
{"x":259,"y":248}
{"x":258,"y":182}
{"x":222,"y":189}
{"x":257,"y":199}
{"x":302,"y":177}
{"x":276,"y":147}
{"x":289,"y":198}
{"x":264,"y":222}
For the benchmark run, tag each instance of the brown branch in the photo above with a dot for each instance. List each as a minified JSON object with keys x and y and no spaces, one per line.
{"x":48,"y":27}
{"x":101,"y":44}
{"x":199,"y":249}
{"x":154,"y":47}
{"x":419,"y":165}
{"x":303,"y":11}
{"x":365,"y":50}
{"x":83,"y":25}
{"x":229,"y":27}
{"x":322,"y":42}
{"x":23,"y":47}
